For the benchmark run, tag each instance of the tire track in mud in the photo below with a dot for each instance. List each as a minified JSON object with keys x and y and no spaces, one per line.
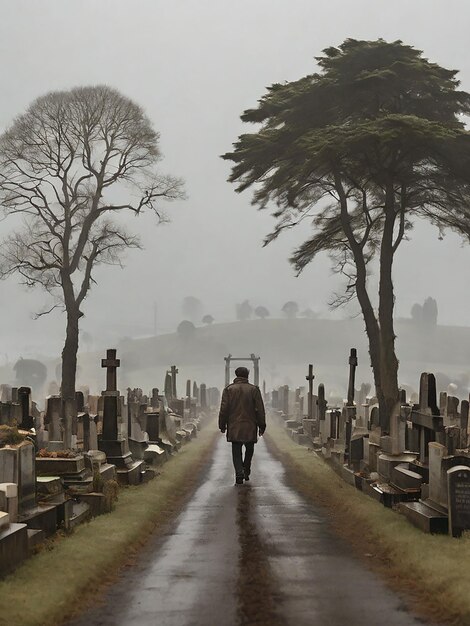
{"x":257,"y":589}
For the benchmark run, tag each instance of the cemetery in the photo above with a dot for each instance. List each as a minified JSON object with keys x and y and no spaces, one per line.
{"x":417,"y":462}
{"x":64,"y":465}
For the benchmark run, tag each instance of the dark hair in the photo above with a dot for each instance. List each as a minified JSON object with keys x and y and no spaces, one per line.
{"x":242,"y":372}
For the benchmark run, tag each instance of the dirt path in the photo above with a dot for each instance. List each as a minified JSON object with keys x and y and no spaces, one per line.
{"x":257,"y":554}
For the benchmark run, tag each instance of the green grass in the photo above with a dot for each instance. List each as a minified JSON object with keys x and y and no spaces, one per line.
{"x":432,"y":570}
{"x":56,"y":583}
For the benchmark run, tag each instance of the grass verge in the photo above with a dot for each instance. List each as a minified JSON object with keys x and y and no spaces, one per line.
{"x":58,"y":582}
{"x":433,"y":571}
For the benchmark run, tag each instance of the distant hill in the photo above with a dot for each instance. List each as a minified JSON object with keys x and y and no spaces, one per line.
{"x":286,"y":346}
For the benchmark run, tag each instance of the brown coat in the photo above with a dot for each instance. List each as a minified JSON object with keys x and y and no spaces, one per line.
{"x":242,"y":411}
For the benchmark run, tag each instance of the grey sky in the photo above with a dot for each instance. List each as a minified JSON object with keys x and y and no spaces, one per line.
{"x":195,"y":66}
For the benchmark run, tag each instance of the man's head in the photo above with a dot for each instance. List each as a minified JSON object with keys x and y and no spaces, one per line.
{"x":242,"y":372}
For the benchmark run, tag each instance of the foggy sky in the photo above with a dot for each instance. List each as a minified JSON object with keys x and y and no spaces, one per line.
{"x":194,"y":66}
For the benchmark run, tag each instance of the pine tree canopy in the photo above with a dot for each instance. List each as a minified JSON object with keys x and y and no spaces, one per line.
{"x":379,"y":123}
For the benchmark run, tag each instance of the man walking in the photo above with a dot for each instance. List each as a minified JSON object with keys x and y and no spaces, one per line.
{"x":242,"y":416}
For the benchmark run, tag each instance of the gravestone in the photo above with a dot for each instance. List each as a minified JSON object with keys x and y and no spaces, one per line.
{"x":203,"y":397}
{"x":310,"y":377}
{"x":112,"y":443}
{"x":174,"y":371}
{"x":427,"y":394}
{"x":458,"y":489}
{"x":275,"y":399}
{"x":168,"y":388}
{"x":53,"y":422}
{"x":5,"y":393}
{"x":322,"y":403}
{"x":24,"y":399}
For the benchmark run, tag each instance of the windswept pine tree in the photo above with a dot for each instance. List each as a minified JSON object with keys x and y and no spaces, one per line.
{"x":362,"y":148}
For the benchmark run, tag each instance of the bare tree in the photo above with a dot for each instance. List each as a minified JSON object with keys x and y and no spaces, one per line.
{"x":69,"y":162}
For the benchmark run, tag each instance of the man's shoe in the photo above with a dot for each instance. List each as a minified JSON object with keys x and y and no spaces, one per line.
{"x":239,"y":480}
{"x":247,"y":475}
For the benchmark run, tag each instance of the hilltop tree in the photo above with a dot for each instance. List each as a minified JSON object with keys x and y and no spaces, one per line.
{"x":186,"y":330}
{"x":371,"y":142}
{"x":30,"y":372}
{"x":72,"y":160}
{"x":425,"y":314}
{"x":417,"y":313}
{"x":430,"y":312}
{"x":208,"y":319}
{"x":290,"y":309}
{"x":309,"y":313}
{"x":262,"y":312}
{"x":244,"y":311}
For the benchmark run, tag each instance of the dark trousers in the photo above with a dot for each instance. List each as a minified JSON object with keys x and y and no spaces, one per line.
{"x":241,"y":464}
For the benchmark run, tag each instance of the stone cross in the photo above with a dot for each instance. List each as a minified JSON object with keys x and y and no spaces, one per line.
{"x":111,"y":363}
{"x":352,"y":375}
{"x":310,"y":378}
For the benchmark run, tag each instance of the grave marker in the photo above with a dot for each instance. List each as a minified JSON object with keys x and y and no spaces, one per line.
{"x":458,"y":488}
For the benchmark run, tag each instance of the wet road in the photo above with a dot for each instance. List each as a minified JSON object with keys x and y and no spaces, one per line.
{"x":252,"y":554}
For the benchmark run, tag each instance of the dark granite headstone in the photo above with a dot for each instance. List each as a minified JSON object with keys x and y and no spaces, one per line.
{"x":458,"y":489}
{"x":110,"y":418}
{"x":427,"y":393}
{"x":24,"y":399}
{"x":80,"y":400}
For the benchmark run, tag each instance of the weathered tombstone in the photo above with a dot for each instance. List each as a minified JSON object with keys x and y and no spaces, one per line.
{"x":52,"y":420}
{"x":275,"y":399}
{"x":24,"y":399}
{"x":427,"y":394}
{"x":174,"y":371}
{"x":452,"y":439}
{"x":322,"y":404}
{"x":17,"y":466}
{"x":86,"y":432}
{"x":437,"y":490}
{"x":464,"y":411}
{"x":310,"y":377}
{"x":458,"y":490}
{"x":451,"y":413}
{"x":5,"y":393}
{"x":397,"y":431}
{"x":155,"y":402}
{"x":112,"y":443}
{"x":203,"y":397}
{"x":188,"y":394}
{"x":80,"y":400}
{"x":168,"y":386}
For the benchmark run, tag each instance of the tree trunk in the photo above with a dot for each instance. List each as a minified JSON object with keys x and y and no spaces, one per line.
{"x":368,"y":313}
{"x":388,"y":359}
{"x":69,"y":355}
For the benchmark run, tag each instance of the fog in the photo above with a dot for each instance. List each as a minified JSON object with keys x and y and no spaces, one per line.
{"x":194,"y":66}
